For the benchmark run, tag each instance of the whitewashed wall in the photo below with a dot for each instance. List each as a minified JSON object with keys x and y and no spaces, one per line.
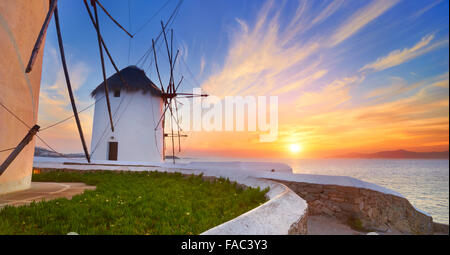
{"x":20,"y":23}
{"x":135,"y":116}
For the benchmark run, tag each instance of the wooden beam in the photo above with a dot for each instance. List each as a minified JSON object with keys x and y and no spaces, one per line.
{"x":103,"y":65}
{"x":169,"y":87}
{"x":175,"y":135}
{"x":69,"y":86}
{"x":26,"y":140}
{"x":109,"y":15}
{"x":41,"y":35}
{"x":178,"y":119}
{"x":156,"y":64}
{"x":171,"y":127}
{"x":106,"y":48}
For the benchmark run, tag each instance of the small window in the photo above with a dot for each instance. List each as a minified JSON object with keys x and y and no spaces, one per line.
{"x":116,"y":93}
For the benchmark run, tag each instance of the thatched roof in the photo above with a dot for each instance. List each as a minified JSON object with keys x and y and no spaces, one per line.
{"x":136,"y":79}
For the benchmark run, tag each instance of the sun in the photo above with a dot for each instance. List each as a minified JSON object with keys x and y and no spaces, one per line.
{"x":295,"y":148}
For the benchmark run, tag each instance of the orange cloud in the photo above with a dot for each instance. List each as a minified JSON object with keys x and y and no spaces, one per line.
{"x":324,"y":126}
{"x":54,"y":106}
{"x":326,"y":115}
{"x":261,"y":56}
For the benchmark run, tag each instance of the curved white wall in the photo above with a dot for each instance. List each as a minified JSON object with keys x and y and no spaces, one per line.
{"x":135,"y":116}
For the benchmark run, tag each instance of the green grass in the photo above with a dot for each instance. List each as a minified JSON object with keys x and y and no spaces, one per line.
{"x":133,"y":203}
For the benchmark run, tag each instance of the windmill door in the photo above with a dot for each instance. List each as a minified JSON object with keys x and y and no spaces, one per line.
{"x":113,"y":149}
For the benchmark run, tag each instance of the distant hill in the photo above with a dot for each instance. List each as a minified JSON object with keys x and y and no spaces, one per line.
{"x":41,"y":152}
{"x":399,"y":154}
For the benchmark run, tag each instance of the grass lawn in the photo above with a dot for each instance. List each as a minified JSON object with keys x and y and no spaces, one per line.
{"x":133,"y":203}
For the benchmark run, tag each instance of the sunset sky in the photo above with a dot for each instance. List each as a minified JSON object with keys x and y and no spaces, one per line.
{"x":351,"y":76}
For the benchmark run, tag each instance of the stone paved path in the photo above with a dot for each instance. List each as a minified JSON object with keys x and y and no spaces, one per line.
{"x":43,"y":190}
{"x":323,"y":225}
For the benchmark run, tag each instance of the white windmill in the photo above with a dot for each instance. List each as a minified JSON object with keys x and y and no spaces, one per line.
{"x":136,"y":108}
{"x":139,"y":110}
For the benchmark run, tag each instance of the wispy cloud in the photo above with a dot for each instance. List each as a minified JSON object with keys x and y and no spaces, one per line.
{"x":399,"y":86}
{"x":425,"y":9}
{"x":54,"y":104}
{"x":416,"y":119}
{"x":262,"y":60}
{"x":398,"y":57}
{"x":334,"y":94}
{"x":269,"y":58}
{"x":328,"y":11}
{"x":265,"y":58}
{"x":202,"y":66}
{"x":361,"y":18}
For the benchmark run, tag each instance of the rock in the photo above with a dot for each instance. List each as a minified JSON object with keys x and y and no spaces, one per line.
{"x":300,"y":227}
{"x":327,"y":211}
{"x":361,"y":205}
{"x":378,"y":211}
{"x":336,"y":208}
{"x":310,"y":198}
{"x":337,"y":199}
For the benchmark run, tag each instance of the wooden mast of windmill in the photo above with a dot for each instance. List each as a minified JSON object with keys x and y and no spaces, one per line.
{"x":169,"y":95}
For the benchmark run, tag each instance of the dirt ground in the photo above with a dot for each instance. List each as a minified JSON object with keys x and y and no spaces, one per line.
{"x":43,"y":191}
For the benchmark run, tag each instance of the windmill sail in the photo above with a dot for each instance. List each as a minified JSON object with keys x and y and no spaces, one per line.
{"x":169,"y":95}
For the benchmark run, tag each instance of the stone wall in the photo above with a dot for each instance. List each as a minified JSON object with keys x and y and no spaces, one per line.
{"x":440,"y":228}
{"x":300,"y":227}
{"x":363,"y":208}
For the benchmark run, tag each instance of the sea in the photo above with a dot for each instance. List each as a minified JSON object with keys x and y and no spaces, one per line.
{"x":424,"y":182}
